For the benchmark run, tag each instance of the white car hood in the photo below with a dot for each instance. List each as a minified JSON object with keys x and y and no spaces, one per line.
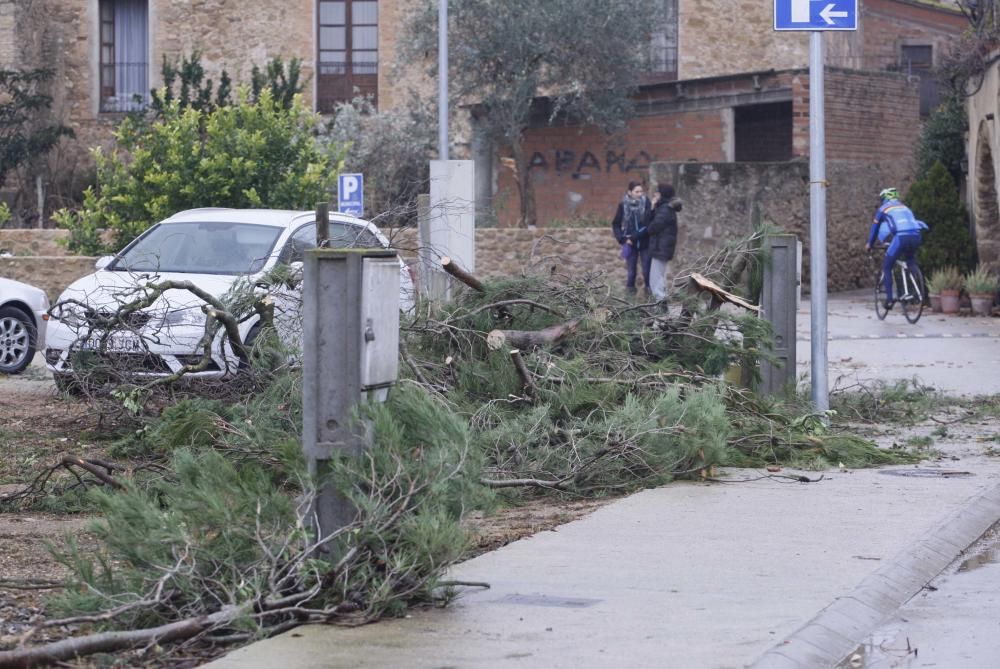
{"x":106,"y":289}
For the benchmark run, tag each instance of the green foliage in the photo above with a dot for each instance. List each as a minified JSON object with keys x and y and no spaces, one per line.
{"x":203,"y":532}
{"x":390,"y":148}
{"x":4,"y":214}
{"x":247,"y":155}
{"x":283,"y":85}
{"x":24,"y":134}
{"x":934,"y":199}
{"x":421,"y":471}
{"x":197,"y":92}
{"x":902,"y":402}
{"x":942,"y":138}
{"x":980,"y":281}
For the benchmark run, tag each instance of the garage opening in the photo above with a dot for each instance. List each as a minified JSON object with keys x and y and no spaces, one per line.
{"x":763,"y":133}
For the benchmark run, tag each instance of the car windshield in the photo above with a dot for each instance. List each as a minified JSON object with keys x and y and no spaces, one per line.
{"x":200,"y":248}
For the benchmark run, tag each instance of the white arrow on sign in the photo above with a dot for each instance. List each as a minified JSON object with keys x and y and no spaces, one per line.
{"x":828,"y":15}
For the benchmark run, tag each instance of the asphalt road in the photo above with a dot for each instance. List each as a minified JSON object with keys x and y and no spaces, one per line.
{"x":958,"y":355}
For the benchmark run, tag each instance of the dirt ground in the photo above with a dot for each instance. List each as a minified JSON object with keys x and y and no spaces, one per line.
{"x":38,"y":427}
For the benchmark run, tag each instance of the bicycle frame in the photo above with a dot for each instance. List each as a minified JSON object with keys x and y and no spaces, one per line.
{"x":908,"y":288}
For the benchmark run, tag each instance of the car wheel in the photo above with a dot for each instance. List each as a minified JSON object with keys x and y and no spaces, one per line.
{"x":17,"y":340}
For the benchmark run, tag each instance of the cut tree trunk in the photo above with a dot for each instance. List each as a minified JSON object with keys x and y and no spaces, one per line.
{"x":528,"y":339}
{"x":460,"y":273}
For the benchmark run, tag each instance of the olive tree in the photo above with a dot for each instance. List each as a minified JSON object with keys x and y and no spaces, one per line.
{"x":584,"y":56}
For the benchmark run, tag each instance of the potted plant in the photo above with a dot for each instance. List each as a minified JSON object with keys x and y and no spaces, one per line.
{"x":934,"y":286}
{"x":981,"y":287}
{"x":948,"y":284}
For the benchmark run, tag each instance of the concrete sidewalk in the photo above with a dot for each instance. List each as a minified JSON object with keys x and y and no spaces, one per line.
{"x":766,"y":571}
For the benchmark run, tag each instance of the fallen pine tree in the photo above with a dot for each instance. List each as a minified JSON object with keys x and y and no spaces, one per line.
{"x":532,"y":385}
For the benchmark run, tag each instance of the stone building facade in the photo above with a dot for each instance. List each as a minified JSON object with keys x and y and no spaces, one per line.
{"x":75,"y":38}
{"x":983,"y":151}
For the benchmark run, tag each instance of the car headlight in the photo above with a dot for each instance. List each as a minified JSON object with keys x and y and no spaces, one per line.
{"x":72,"y":315}
{"x":189,"y":316}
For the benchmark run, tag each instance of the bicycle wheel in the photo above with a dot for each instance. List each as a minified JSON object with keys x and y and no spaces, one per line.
{"x":913,"y":305}
{"x":880,"y":296}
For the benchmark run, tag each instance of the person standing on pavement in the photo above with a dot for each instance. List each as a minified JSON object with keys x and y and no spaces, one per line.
{"x":662,"y":231}
{"x":629,"y":228}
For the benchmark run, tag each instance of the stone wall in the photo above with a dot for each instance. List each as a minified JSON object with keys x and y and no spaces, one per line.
{"x":723,"y":202}
{"x":32,"y":242}
{"x":499,"y":252}
{"x":50,"y":273}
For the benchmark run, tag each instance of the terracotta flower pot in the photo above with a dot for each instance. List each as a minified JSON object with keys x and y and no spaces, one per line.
{"x":936,"y":303}
{"x":982,"y":303}
{"x":949,"y":301}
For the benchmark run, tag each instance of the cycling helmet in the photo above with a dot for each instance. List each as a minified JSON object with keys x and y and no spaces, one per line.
{"x":887,"y":194}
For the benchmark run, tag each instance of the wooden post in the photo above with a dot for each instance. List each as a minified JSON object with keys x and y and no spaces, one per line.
{"x":322,"y":224}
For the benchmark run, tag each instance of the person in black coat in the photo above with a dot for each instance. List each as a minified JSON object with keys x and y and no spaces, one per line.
{"x":662,"y":231}
{"x":629,"y":228}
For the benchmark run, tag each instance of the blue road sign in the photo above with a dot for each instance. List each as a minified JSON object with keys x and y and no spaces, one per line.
{"x":351,"y":194}
{"x":815,"y":14}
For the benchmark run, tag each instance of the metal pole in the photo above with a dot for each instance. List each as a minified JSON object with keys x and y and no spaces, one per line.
{"x":443,"y":79}
{"x":817,"y":226}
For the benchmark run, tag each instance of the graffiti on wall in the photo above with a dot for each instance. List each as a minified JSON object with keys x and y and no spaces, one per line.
{"x":566,"y":161}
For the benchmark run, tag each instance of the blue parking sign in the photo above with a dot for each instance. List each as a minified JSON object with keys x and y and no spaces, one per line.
{"x":815,"y":14}
{"x":351,"y":194}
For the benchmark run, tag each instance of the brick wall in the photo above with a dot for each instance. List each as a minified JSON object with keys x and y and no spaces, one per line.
{"x":871,"y":116}
{"x":582,"y":173}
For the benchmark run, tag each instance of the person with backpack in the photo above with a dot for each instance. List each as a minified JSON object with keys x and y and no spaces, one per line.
{"x":894,"y":224}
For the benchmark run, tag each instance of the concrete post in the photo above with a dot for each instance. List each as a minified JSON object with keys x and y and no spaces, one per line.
{"x":779,"y":301}
{"x":350,"y":348}
{"x":435,"y":285}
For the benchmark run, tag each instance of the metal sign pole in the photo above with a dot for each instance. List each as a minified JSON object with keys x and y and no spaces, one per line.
{"x":817,"y":226}
{"x":443,"y":80}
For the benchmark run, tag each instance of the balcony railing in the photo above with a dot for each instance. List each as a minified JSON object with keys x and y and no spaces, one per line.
{"x":335,"y":68}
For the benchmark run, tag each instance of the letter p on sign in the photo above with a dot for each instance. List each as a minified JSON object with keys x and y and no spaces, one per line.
{"x":351,"y":194}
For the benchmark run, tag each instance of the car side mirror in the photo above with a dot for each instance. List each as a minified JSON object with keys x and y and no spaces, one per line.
{"x":103,"y":262}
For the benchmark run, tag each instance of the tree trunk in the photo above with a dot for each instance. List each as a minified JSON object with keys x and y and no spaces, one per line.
{"x":529,"y":339}
{"x":524,"y":186}
{"x":106,"y":642}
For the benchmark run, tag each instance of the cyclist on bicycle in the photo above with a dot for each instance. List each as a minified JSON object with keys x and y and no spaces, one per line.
{"x":895,"y":225}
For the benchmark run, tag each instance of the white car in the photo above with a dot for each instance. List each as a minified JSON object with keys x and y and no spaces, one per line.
{"x":23,"y":312}
{"x":211,"y":248}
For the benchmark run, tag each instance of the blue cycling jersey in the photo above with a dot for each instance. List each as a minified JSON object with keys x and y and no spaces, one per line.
{"x":893,"y":219}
